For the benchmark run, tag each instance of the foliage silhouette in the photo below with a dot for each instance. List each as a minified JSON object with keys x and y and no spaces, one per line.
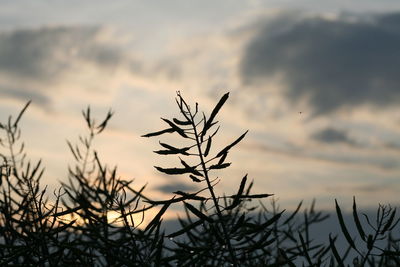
{"x":91,"y":221}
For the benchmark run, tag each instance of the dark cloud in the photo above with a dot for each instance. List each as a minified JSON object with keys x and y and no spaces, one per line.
{"x":176,"y":186}
{"x":34,"y":61}
{"x":25,"y":95}
{"x":378,"y":160}
{"x":369,"y":188}
{"x":331,"y":135}
{"x":331,"y":63}
{"x":392,"y":145}
{"x":44,"y":53}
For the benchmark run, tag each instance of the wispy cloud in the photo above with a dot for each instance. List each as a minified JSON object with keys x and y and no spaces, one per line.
{"x":47,"y":52}
{"x":24,"y":94}
{"x":38,"y":63}
{"x":332,"y":135}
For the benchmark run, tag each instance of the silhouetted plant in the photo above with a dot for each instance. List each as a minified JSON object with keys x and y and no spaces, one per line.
{"x":226,"y":231}
{"x":90,"y":220}
{"x":95,"y":192}
{"x":29,"y":228}
{"x":373,"y":236}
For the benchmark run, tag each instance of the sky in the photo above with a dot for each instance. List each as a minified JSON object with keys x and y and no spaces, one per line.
{"x":316,"y":83}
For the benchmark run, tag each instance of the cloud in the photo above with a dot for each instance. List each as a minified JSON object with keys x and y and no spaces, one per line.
{"x":331,"y":135}
{"x":331,"y":63}
{"x":368,"y":188}
{"x":40,"y":63}
{"x":24,"y":94}
{"x":355,"y":155}
{"x":46,"y":52}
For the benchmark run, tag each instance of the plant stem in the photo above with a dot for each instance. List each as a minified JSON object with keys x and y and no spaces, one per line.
{"x":210,"y":188}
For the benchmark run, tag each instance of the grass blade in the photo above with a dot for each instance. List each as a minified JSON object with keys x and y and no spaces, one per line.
{"x":357,"y":220}
{"x":343,"y":226}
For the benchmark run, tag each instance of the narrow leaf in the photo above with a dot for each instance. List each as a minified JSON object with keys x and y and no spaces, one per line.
{"x":72,"y":151}
{"x":305,"y":250}
{"x":170,"y":130}
{"x":357,"y":220}
{"x":185,"y":164}
{"x":194,"y":178}
{"x":257,"y":196}
{"x":172,"y":171}
{"x":179,"y":122}
{"x":269,"y":222}
{"x":215,"y":111}
{"x":262,"y":242}
{"x":103,"y":125}
{"x":191,"y":169}
{"x":189,"y":196}
{"x":236,"y":200}
{"x":226,"y":149}
{"x":343,"y":226}
{"x":198,"y":213}
{"x":294,"y":213}
{"x":186,"y":228}
{"x":222,"y":159}
{"x":208,"y":147}
{"x":273,"y":219}
{"x":204,"y":127}
{"x":180,"y":131}
{"x":166,"y":152}
{"x":370,"y":242}
{"x":220,"y":166}
{"x":21,"y":113}
{"x":172,"y":150}
{"x":335,"y":252}
{"x":389,"y":222}
{"x":157,"y":218}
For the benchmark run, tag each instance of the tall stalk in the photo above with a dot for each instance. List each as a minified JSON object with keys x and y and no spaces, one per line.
{"x":210,"y":186}
{"x":188,"y":128}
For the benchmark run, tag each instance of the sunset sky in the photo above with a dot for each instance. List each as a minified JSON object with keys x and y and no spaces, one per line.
{"x":316,"y":83}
